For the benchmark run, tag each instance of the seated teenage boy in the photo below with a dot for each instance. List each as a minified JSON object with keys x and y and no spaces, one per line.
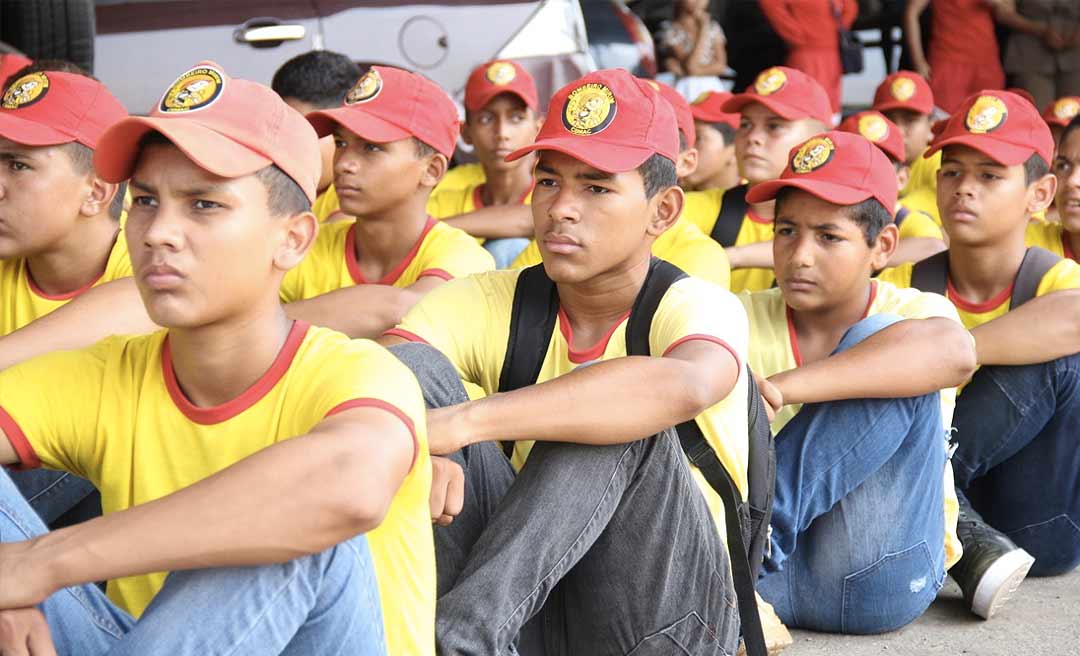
{"x":502,"y":114}
{"x":394,"y":135}
{"x":920,"y":235}
{"x":194,"y":424}
{"x":783,"y":108}
{"x":717,"y":167}
{"x":682,"y":244}
{"x":1062,"y":238}
{"x":864,"y":519}
{"x":606,"y":504}
{"x":906,"y":99}
{"x":1017,"y":421}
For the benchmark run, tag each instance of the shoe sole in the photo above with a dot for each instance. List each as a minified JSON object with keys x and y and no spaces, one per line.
{"x":999,"y":582}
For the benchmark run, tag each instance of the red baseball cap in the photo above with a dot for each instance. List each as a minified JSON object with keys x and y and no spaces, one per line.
{"x":1062,"y":111}
{"x":904,"y":90}
{"x":10,"y":64}
{"x":227,"y":126}
{"x":708,"y":108}
{"x":879,"y":130}
{"x":683,"y":117}
{"x":496,"y":77}
{"x":838,"y":167}
{"x":388,"y":104}
{"x":49,"y":108}
{"x":999,"y":124}
{"x":610,"y":120}
{"x":789,"y":93}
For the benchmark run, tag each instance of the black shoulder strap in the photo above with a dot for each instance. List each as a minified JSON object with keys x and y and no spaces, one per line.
{"x":733,"y":208}
{"x":1037,"y":261}
{"x":932,"y":274}
{"x":662,"y":275}
{"x":901,"y":215}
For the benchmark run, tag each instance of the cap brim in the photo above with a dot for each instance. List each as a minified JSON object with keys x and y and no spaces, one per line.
{"x":607,"y":157}
{"x":30,"y":133}
{"x":831,"y":192}
{"x":212,"y":151}
{"x":478,"y":101}
{"x":365,"y":125}
{"x":735,"y":104}
{"x":1003,"y":153}
{"x":899,"y":104}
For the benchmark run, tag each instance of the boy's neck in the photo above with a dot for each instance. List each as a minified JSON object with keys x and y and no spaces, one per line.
{"x":215,"y":364}
{"x":595,"y":305}
{"x":384,"y":240}
{"x":979,"y":273}
{"x":819,"y":332}
{"x":78,"y":259}
{"x":506,"y":187}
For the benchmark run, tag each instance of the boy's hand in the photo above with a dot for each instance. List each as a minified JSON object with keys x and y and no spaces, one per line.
{"x":22,"y":584}
{"x":24,"y":632}
{"x":447,"y":490}
{"x":774,"y":399}
{"x":447,"y":430}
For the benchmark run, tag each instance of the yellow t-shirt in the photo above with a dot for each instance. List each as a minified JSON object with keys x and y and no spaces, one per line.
{"x":455,"y":202}
{"x":1063,"y":275}
{"x":327,"y":206}
{"x":441,"y":251}
{"x":702,"y":208}
{"x":469,"y":321}
{"x":921,"y":190}
{"x":114,"y":413}
{"x":774,"y":348}
{"x":22,"y":301}
{"x":1050,"y":236}
{"x":461,"y":176}
{"x":682,"y":245}
{"x":918,"y":224}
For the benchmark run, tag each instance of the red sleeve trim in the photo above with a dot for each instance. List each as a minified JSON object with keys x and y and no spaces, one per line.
{"x":28,"y":459}
{"x":438,"y":273}
{"x":389,"y":407}
{"x":706,"y":338}
{"x":406,"y":335}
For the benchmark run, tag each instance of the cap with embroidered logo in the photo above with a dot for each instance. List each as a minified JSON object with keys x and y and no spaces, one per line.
{"x":47,"y":108}
{"x":1062,"y":111}
{"x":708,"y":107}
{"x":788,"y":93}
{"x":229,"y":127}
{"x":389,"y":104}
{"x":497,"y":77}
{"x":999,"y":124}
{"x":877,"y":129}
{"x":838,"y":167}
{"x":610,"y":120}
{"x":683,"y":117}
{"x":904,"y":90}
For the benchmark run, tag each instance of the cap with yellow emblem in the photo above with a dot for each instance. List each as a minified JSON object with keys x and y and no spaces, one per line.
{"x":229,"y":127}
{"x":904,"y":90}
{"x":48,"y":108}
{"x":789,"y":93}
{"x":877,"y":129}
{"x":999,"y":124}
{"x":496,"y":77}
{"x":708,"y":107}
{"x":1062,"y":111}
{"x":837,"y":167}
{"x":610,"y":120}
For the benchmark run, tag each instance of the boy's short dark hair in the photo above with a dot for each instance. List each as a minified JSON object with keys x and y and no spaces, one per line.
{"x":726,"y":131}
{"x":1035,"y":168}
{"x":42,"y":65}
{"x":657,"y":173}
{"x":422,"y":149}
{"x":870,"y":215}
{"x":320,"y":78}
{"x":1070,"y":128}
{"x":283,"y":196}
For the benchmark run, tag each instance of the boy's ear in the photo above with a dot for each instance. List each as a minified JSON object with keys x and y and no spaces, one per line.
{"x":903,"y":175}
{"x":466,"y":133}
{"x":666,"y":208}
{"x":434,"y":170}
{"x":884,"y":246}
{"x":298,"y":233}
{"x":687,"y":163}
{"x":1041,"y":193}
{"x":100,"y":195}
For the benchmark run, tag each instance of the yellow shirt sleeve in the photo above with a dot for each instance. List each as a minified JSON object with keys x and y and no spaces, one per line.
{"x":448,"y":252}
{"x":1063,"y":275}
{"x":923,"y":200}
{"x":900,"y":276}
{"x":462,"y":176}
{"x":919,"y":224}
{"x":685,"y":246}
{"x":446,"y":203}
{"x":1045,"y":235}
{"x":326,"y":205}
{"x":702,"y":208}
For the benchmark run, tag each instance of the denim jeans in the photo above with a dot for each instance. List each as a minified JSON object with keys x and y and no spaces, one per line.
{"x":857,"y":541}
{"x":1018,"y":461}
{"x":59,"y":498}
{"x":326,"y":603}
{"x":611,"y":548}
{"x":505,"y":250}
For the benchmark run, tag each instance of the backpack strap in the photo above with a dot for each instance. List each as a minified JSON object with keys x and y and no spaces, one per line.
{"x":932,"y":274}
{"x":736,"y":515}
{"x":901,"y":214}
{"x":733,"y":208}
{"x":1037,"y":262}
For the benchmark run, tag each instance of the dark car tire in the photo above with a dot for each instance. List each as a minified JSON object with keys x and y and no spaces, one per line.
{"x":50,"y":29}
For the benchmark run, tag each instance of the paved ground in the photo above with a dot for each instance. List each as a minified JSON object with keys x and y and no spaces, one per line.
{"x":1042,"y":619}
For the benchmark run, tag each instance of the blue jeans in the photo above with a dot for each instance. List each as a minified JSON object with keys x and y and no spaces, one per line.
{"x":505,"y":250}
{"x":857,"y":542}
{"x":326,"y":603}
{"x":1018,"y":461}
{"x":59,"y":498}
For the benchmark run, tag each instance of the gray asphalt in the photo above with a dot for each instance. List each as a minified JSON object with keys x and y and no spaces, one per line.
{"x":1042,"y":619}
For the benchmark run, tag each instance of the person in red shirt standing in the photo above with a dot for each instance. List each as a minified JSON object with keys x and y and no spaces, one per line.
{"x":964,"y":56}
{"x":810,"y":28}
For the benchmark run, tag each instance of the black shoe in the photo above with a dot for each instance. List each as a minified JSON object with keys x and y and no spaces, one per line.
{"x":992,"y":566}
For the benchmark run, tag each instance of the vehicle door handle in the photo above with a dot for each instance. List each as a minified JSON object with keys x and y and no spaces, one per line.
{"x":262,"y":35}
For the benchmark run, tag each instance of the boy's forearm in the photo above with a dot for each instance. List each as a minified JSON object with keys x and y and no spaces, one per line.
{"x":757,"y":255}
{"x":915,"y":249}
{"x":360,"y":311}
{"x":496,"y":222}
{"x":1041,"y":330}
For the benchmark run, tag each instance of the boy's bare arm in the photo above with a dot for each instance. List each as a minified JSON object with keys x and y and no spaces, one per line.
{"x":362,"y":311}
{"x":915,"y":249}
{"x":748,"y":256}
{"x":496,"y":222}
{"x":1041,"y":330}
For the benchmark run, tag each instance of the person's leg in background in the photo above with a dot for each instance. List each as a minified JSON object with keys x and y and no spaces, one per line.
{"x":505,"y":250}
{"x":1041,"y":85}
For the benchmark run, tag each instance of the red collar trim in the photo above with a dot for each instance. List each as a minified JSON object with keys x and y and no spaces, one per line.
{"x":390,"y":278}
{"x":977,"y":308}
{"x":591,"y":353}
{"x":249,"y":397}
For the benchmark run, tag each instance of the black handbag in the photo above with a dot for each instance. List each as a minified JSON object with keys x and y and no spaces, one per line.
{"x":851,"y":48}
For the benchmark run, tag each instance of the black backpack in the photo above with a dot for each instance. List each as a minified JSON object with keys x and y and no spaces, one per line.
{"x":733,"y":208}
{"x":532,"y":322}
{"x":932,"y":274}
